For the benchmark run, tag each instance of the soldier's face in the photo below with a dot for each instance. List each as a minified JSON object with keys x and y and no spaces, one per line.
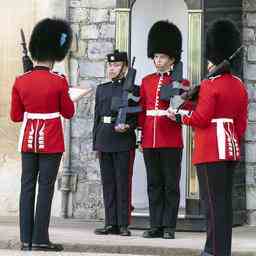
{"x":163,"y":62}
{"x":210,"y":66}
{"x":115,"y":69}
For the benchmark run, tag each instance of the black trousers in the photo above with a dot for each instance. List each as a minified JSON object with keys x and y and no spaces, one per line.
{"x":215,"y":183}
{"x":163,"y":167}
{"x":43,"y":168}
{"x":116,"y":171}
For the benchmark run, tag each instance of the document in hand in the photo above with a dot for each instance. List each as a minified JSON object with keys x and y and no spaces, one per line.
{"x":76,"y":93}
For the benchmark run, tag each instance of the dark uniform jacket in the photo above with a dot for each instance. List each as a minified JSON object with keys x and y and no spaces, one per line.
{"x":105,"y":138}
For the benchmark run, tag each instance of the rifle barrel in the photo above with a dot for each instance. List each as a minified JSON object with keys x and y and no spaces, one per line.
{"x":23,"y":42}
{"x":133,"y":60}
{"x":235,"y":53}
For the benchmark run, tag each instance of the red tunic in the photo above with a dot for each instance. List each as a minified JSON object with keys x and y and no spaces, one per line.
{"x":43,"y":92}
{"x":221,"y":98}
{"x":157,"y":131}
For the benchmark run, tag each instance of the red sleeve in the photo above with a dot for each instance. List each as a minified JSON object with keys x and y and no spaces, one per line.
{"x":17,"y":107}
{"x":205,"y":108}
{"x":188,"y":105}
{"x":67,"y":108}
{"x":240,"y":121}
{"x":142,"y":114}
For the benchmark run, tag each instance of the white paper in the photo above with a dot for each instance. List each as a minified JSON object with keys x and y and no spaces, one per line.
{"x":76,"y":93}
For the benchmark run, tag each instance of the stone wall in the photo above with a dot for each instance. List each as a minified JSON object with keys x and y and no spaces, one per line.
{"x":10,"y":167}
{"x":93,"y":23}
{"x":249,"y":36}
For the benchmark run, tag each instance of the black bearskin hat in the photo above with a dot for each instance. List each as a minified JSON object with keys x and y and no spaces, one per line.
{"x":165,"y":37}
{"x":222,"y":40}
{"x":50,"y":40}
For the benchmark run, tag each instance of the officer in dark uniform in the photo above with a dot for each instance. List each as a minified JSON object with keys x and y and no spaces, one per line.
{"x":115,"y":147}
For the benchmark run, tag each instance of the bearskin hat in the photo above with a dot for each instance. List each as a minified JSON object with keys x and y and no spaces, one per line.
{"x":165,"y":37}
{"x":222,"y":40}
{"x":50,"y":40}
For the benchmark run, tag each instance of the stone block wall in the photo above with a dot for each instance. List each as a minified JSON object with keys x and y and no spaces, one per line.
{"x":93,"y":23}
{"x":249,"y":36}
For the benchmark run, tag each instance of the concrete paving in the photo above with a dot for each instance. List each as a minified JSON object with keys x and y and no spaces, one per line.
{"x":78,"y":236}
{"x":19,"y":253}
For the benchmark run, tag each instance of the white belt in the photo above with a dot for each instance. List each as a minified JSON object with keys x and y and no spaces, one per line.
{"x":161,"y":112}
{"x":221,"y":137}
{"x":43,"y":116}
{"x":33,"y":116}
{"x":156,"y":112}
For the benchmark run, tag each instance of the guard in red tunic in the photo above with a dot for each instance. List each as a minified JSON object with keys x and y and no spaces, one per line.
{"x":219,"y":121}
{"x":39,"y":99}
{"x":161,"y":137}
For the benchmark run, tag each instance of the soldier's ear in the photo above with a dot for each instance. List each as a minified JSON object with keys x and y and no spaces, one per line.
{"x":172,"y":60}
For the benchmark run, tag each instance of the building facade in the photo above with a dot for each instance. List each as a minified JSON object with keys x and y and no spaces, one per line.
{"x":99,"y":27}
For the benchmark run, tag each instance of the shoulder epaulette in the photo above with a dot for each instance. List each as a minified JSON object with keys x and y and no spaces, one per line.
{"x":58,"y":74}
{"x":238,"y":78}
{"x":214,"y":77}
{"x":24,"y":74}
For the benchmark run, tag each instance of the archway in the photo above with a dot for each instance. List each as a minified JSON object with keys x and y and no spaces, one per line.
{"x":175,"y":11}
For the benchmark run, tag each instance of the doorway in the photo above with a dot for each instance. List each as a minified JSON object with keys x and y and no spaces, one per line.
{"x":152,"y":11}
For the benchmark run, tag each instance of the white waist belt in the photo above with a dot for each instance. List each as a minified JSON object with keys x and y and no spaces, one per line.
{"x":34,"y":116}
{"x":43,"y":116}
{"x":221,"y":137}
{"x":161,"y":112}
{"x":156,"y":112}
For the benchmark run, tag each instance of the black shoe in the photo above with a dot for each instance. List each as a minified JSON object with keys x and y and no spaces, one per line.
{"x":47,"y":247}
{"x":112,"y":230}
{"x":124,"y":231}
{"x":169,"y":233}
{"x":206,"y":254}
{"x":25,"y":247}
{"x":153,"y":233}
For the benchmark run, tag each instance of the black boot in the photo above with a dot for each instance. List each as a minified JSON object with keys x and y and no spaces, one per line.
{"x":153,"y":233}
{"x":124,"y":231}
{"x":25,"y":247}
{"x":169,"y":233}
{"x":112,"y":230}
{"x":206,"y":254}
{"x":47,"y":247}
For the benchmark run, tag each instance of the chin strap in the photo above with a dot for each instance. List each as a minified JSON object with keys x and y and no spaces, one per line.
{"x":120,"y":75}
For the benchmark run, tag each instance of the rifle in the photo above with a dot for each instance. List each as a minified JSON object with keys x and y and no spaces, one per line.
{"x":120,"y":105}
{"x":173,"y":89}
{"x":168,"y":92}
{"x":223,"y":67}
{"x":26,"y":61}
